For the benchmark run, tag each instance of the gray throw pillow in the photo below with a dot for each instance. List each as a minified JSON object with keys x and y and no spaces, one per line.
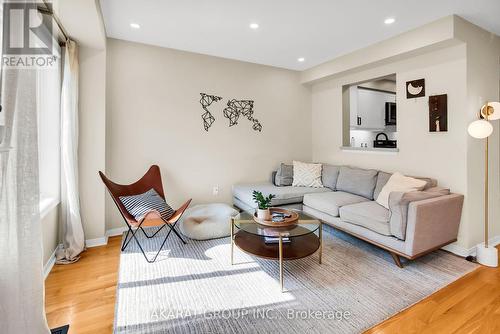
{"x":398,"y":206}
{"x":357,"y":181}
{"x":284,"y":176}
{"x":329,"y":176}
{"x":382,"y":179}
{"x":273,"y":177}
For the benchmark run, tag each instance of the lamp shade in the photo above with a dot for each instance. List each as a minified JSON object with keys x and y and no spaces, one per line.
{"x":492,"y":109}
{"x":480,"y":129}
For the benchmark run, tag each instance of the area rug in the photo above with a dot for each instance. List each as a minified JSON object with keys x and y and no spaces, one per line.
{"x":194,"y":288}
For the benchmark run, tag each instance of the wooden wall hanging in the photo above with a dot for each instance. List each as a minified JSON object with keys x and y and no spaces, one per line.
{"x":415,"y":88}
{"x":438,"y":113}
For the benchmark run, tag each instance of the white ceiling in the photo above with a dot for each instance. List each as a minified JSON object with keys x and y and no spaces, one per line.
{"x":318,"y":30}
{"x":81,"y":20}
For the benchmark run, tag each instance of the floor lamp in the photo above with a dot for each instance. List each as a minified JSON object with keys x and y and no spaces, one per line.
{"x":482,"y":129}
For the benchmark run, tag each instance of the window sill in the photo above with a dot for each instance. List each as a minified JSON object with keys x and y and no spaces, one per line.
{"x":370,"y":149}
{"x":47,"y":204}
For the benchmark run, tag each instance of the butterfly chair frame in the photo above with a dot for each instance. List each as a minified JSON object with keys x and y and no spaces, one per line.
{"x":150,"y":180}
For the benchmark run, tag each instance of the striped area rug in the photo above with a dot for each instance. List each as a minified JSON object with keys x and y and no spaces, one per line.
{"x":194,"y":288}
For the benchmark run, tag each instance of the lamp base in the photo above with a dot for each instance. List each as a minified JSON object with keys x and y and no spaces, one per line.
{"x":487,"y":256}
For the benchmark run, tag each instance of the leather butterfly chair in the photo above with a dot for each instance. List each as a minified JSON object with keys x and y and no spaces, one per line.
{"x":151,"y":180}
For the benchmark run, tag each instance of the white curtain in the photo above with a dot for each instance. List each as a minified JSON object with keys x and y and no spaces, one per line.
{"x":21,"y":278}
{"x":71,"y":222}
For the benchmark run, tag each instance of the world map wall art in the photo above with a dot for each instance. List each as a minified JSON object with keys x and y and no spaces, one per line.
{"x":233,"y":111}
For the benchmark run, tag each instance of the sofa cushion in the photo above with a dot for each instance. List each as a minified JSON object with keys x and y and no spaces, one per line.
{"x":370,"y":215}
{"x":307,"y":174}
{"x":331,"y":202}
{"x":284,"y":195}
{"x":329,"y":176}
{"x":357,"y":181}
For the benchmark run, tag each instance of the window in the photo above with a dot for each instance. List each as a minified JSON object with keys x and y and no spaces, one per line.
{"x":49,"y":123}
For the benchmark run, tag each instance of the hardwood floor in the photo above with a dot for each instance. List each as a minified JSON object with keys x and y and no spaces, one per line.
{"x":468,"y":305}
{"x":83,"y":295}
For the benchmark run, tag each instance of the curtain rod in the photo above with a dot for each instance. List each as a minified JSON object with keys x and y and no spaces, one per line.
{"x":48,"y":11}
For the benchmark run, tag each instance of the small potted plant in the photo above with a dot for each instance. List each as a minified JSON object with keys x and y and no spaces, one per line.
{"x":263,"y":204}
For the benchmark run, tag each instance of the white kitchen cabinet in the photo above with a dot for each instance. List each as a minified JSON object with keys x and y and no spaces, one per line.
{"x":368,"y":109}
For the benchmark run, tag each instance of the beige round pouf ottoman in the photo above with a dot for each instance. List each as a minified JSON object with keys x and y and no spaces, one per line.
{"x":207,"y":221}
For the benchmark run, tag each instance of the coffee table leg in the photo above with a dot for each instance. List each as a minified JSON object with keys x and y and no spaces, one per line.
{"x":281,"y":261}
{"x":232,"y":240}
{"x":320,"y":241}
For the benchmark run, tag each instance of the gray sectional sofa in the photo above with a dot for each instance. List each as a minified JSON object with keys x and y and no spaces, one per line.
{"x":415,"y":224}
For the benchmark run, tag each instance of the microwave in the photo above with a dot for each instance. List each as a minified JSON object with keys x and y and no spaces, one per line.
{"x":390,"y":113}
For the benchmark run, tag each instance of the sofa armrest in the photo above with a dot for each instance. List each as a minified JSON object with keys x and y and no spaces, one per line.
{"x":399,"y":203}
{"x":432,"y":223}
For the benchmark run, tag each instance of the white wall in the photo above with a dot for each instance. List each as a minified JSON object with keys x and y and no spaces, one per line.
{"x":383,"y":84}
{"x":455,"y":57}
{"x":439,"y":155}
{"x":92,"y":143}
{"x":483,"y":55}
{"x":154,"y":117}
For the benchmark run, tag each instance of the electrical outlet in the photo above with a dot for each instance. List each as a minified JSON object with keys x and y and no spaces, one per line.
{"x":215,"y":190}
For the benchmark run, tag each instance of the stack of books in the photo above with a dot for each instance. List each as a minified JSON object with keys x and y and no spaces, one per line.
{"x":275,"y":240}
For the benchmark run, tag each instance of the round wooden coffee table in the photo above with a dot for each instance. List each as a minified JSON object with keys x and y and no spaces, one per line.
{"x":277,"y":243}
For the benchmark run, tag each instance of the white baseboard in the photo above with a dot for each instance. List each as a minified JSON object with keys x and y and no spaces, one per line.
{"x":104,"y":240}
{"x":50,"y":263}
{"x":464,"y":252}
{"x":116,"y":231}
{"x":96,"y":242}
{"x":458,"y":250}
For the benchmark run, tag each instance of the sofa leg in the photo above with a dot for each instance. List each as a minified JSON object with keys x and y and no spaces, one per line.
{"x":396,"y":259}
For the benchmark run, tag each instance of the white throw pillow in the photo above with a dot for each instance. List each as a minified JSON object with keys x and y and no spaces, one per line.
{"x":307,"y":175}
{"x":401,"y":183}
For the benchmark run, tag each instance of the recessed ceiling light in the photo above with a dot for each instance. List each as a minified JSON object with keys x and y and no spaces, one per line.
{"x":254,"y":26}
{"x":301,"y":59}
{"x":135,"y":25}
{"x":389,"y":20}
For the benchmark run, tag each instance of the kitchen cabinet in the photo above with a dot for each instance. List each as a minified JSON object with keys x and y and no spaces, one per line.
{"x":367,"y":107}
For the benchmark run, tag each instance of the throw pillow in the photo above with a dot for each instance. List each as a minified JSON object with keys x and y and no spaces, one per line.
{"x":382,"y":179}
{"x":140,"y":205}
{"x":329,"y":176}
{"x":401,"y":183}
{"x":307,"y":175}
{"x":357,"y":181}
{"x":284,"y":176}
